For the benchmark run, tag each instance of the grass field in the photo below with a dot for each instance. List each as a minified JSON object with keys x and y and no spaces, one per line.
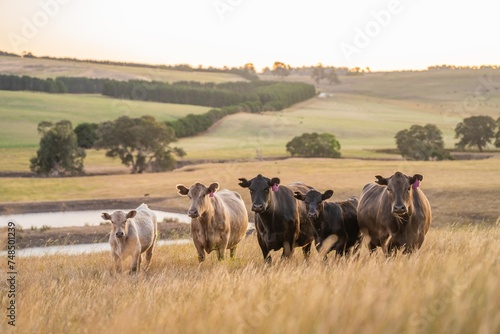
{"x":449,"y":286}
{"x":22,"y":111}
{"x":49,"y":68}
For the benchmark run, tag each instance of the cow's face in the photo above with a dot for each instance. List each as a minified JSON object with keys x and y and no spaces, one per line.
{"x":260,"y":188}
{"x":199,"y":195}
{"x":399,"y":191}
{"x":119,"y":220}
{"x":314,"y":201}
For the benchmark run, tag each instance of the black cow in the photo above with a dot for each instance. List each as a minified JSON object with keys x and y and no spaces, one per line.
{"x":332,"y":218}
{"x":280,"y":220}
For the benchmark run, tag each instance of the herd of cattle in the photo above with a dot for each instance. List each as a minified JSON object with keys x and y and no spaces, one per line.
{"x":393,"y":213}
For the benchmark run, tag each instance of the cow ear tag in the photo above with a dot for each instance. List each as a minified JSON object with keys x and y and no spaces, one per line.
{"x":211,"y":194}
{"x":416,"y":184}
{"x":275,"y":187}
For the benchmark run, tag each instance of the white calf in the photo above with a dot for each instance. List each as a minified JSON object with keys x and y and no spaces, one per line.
{"x":133,"y":233}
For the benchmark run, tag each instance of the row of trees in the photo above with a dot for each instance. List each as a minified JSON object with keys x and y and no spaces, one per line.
{"x":140,"y":143}
{"x":426,"y":142}
{"x":73,"y":85}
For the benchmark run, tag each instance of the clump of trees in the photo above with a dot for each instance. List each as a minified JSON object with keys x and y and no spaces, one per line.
{"x":421,"y":143}
{"x":59,"y":154}
{"x":319,"y":73}
{"x":477,"y":131}
{"x":309,"y":145}
{"x":140,"y":143}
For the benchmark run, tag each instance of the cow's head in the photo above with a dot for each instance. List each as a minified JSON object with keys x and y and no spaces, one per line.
{"x":399,"y":191}
{"x":260,"y":187}
{"x":198,"y":194}
{"x":119,"y":220}
{"x":314,"y":201}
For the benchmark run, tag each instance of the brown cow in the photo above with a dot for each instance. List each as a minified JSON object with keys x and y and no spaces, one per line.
{"x":219,"y":219}
{"x":394,"y":212}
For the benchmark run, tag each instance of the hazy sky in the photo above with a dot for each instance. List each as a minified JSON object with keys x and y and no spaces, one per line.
{"x":384,"y":35}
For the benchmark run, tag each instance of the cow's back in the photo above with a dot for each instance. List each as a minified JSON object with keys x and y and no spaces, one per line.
{"x":236,"y":214}
{"x":146,"y":225}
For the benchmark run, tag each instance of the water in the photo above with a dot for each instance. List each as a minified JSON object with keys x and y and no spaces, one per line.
{"x":79,"y":249}
{"x":74,"y":218}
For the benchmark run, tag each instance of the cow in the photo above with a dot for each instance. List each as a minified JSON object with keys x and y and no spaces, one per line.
{"x":132,"y":234}
{"x":280,"y":220}
{"x":219,"y":219}
{"x":332,"y":218}
{"x":394,"y":213}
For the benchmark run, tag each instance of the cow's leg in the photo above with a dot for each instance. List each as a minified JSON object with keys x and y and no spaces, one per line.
{"x":199,"y":250}
{"x":149,"y":253}
{"x":306,"y":250}
{"x":222,"y":246}
{"x":136,"y":262}
{"x":263,"y":248}
{"x":287,"y":250}
{"x":232,"y":252}
{"x":118,"y":262}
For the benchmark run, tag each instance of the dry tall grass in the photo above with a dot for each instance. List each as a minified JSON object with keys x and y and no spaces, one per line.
{"x":450,"y":286}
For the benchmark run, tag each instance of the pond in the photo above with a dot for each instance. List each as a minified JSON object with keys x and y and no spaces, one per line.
{"x":74,"y":218}
{"x":80,"y":249}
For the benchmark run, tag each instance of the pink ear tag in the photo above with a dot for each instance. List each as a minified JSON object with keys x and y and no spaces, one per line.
{"x":275,"y":187}
{"x":416,"y":184}
{"x":211,"y":194}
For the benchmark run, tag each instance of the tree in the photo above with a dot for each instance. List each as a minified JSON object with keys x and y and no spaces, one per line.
{"x":318,"y":73}
{"x":332,"y":77}
{"x":497,"y":137}
{"x":323,"y":145}
{"x":421,"y":143}
{"x":86,"y":134}
{"x":249,"y":67}
{"x":141,"y":143}
{"x":59,"y":153}
{"x":280,"y":69}
{"x":475,"y":131}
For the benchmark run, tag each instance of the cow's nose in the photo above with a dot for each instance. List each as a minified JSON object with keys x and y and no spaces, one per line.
{"x":399,"y":209}
{"x":312,"y":215}
{"x":119,"y":234}
{"x":193,"y":213}
{"x":257,"y":207}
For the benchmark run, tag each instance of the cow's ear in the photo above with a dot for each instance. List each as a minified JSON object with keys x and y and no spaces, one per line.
{"x":415,"y":178}
{"x":131,"y":214}
{"x":213,"y":188}
{"x":106,"y":216}
{"x":327,"y":194}
{"x":244,"y":183}
{"x":299,"y":196}
{"x":275,"y":181}
{"x":381,"y":180}
{"x":183,"y":191}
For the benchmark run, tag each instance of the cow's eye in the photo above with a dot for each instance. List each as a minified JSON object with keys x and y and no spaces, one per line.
{"x":266,"y":190}
{"x":251,"y":192}
{"x":409,"y":188}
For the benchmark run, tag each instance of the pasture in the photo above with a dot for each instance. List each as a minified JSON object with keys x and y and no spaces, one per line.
{"x":449,"y":286}
{"x":51,"y":68}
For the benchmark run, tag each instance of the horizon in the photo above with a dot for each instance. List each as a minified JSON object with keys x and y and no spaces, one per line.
{"x":389,"y":35}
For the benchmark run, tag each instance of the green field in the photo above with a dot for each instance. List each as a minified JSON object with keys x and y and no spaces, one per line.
{"x":50,"y":68}
{"x":364,"y":112}
{"x":22,"y":111}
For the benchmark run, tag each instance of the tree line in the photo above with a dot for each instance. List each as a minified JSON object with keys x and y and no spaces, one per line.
{"x":60,"y":85}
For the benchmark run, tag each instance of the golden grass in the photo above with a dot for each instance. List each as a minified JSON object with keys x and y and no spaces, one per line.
{"x":449,"y":286}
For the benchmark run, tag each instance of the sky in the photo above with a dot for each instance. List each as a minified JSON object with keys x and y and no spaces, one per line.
{"x":380,"y":34}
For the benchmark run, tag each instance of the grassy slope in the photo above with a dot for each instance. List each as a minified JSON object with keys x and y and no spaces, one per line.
{"x":364,"y":112}
{"x":449,"y":286}
{"x":48,"y":68}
